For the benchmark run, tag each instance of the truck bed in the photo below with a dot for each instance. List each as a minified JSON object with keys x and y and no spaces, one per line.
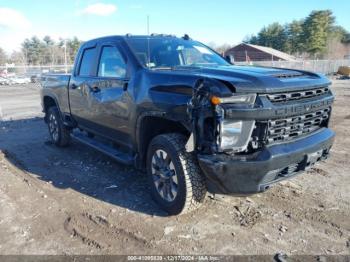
{"x":56,"y":85}
{"x":55,"y":80}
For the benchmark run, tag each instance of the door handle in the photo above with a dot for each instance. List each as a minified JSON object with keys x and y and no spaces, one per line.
{"x":73,"y":86}
{"x":125,"y":84}
{"x":95,"y":89}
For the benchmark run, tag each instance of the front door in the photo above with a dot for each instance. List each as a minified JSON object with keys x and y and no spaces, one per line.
{"x":111,"y":99}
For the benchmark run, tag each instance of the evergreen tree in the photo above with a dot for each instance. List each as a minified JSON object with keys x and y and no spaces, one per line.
{"x":346,"y":38}
{"x":47,"y":51}
{"x":311,"y":35}
{"x":316,"y":29}
{"x":33,"y":50}
{"x":251,"y":39}
{"x":295,"y":34}
{"x":339,"y":33}
{"x":48,"y":41}
{"x":73,"y":47}
{"x":275,"y":36}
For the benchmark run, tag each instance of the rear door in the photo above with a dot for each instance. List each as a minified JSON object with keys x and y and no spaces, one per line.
{"x":80,"y":92}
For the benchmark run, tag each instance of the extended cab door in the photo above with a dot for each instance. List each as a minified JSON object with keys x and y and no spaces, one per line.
{"x":104,"y":95}
{"x":80,"y":86}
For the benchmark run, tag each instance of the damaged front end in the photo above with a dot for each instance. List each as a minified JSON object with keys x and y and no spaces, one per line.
{"x":232,"y":137}
{"x":212,"y":131}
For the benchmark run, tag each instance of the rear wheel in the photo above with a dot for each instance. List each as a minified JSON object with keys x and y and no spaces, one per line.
{"x":60,"y":135}
{"x":175,"y":178}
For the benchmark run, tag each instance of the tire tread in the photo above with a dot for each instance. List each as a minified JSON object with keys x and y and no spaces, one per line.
{"x":195,"y":183}
{"x":64,"y":137}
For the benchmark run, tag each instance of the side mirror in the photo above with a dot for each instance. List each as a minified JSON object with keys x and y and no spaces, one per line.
{"x":230,"y":59}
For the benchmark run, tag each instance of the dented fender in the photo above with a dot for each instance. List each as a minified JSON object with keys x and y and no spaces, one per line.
{"x":203,"y":115}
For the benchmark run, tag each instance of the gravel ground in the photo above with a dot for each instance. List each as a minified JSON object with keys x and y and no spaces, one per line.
{"x":78,"y":201}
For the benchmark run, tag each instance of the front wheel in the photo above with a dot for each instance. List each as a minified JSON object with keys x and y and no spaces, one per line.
{"x":60,"y":135}
{"x":175,"y":178}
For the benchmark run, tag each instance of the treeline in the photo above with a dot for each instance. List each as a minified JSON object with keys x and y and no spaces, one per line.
{"x":316,"y":36}
{"x":46,"y":51}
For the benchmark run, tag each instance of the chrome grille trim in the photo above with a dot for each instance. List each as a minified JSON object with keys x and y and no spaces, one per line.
{"x":284,"y":97}
{"x":285,"y":129}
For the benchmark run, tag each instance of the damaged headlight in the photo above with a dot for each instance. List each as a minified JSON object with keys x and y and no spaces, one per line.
{"x":234,"y":134}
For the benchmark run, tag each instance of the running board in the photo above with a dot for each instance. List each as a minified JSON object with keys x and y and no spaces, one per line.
{"x":103,"y":148}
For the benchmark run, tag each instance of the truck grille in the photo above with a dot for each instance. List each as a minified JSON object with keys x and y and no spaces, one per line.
{"x":279,"y":130}
{"x":284,"y":97}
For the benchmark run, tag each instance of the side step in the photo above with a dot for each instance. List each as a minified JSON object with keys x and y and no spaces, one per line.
{"x":104,"y":148}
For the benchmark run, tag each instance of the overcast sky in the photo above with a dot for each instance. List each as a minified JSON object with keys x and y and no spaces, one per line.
{"x":219,"y":21}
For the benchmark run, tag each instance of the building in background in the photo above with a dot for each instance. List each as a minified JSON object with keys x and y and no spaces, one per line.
{"x":247,"y":53}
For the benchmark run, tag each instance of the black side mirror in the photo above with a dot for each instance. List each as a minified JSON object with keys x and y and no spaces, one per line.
{"x":230,"y":59}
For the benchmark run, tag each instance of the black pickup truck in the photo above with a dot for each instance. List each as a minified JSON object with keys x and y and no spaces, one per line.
{"x":195,"y":122}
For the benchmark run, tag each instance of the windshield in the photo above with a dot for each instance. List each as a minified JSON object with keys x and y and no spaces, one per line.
{"x":170,"y":52}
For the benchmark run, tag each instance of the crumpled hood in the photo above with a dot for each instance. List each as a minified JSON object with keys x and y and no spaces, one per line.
{"x":248,"y":79}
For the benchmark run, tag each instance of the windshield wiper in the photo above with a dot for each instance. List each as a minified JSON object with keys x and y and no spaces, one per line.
{"x":175,"y":67}
{"x":186,"y":67}
{"x":161,"y":68}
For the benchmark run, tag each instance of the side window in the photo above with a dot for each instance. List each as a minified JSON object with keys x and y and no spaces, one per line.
{"x":111,"y":63}
{"x":87,"y":62}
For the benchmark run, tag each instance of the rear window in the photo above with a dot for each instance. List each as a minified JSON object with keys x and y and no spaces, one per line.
{"x":87,"y":62}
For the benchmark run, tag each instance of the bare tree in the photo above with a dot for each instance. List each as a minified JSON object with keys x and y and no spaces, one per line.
{"x":335,"y":49}
{"x":221,"y":49}
{"x":17,"y":58}
{"x":3,"y":57}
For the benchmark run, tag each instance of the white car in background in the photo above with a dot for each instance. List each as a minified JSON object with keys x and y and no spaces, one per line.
{"x":4,"y":81}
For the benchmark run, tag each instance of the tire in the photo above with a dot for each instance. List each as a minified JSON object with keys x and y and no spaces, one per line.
{"x":177,"y":184}
{"x":60,"y":135}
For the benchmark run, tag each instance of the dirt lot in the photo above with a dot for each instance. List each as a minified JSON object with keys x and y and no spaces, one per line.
{"x":78,"y":201}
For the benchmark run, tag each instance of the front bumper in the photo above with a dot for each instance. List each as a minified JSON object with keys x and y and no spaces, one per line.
{"x":255,"y":173}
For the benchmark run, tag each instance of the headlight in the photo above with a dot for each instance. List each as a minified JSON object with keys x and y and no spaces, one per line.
{"x":248,"y":99}
{"x":234,"y":133}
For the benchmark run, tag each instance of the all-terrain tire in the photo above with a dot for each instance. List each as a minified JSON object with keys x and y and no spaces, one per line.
{"x":191,"y":183}
{"x":59,"y":133}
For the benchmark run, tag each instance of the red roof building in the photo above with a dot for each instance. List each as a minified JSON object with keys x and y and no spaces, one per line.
{"x":247,"y":52}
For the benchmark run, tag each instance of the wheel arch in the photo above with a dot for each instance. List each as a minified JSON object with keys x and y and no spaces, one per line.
{"x":50,"y":101}
{"x":152,"y":124}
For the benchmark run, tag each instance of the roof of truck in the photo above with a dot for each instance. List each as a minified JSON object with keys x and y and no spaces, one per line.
{"x":124,"y":37}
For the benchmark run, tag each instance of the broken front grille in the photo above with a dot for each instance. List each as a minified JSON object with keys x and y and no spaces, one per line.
{"x":292,"y":169}
{"x":279,"y":130}
{"x":282,"y":172}
{"x":285,"y":97}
